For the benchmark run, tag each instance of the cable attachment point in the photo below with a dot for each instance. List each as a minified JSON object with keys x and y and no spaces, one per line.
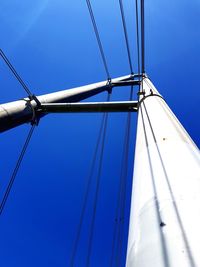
{"x":141,"y":93}
{"x":33,"y":97}
{"x":144,"y":75}
{"x":110,"y":86}
{"x":34,"y":120}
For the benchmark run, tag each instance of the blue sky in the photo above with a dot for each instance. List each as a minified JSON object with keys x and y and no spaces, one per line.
{"x":52,"y":45}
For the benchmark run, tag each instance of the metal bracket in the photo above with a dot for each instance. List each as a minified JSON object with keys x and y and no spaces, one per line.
{"x":126,"y":83}
{"x":125,"y":106}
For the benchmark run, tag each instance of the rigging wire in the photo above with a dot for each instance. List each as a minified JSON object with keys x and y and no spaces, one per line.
{"x":75,"y":247}
{"x":121,"y":196}
{"x":10,"y":66}
{"x":142,"y":36}
{"x":98,"y":39}
{"x":137,"y":36}
{"x":15,"y":171}
{"x":126,"y":35}
{"x":91,"y":234}
{"x":125,"y":177}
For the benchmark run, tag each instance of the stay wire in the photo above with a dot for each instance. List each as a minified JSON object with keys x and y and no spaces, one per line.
{"x":142,"y":36}
{"x":98,"y":38}
{"x":91,"y":234}
{"x":120,"y":208}
{"x":137,"y":36}
{"x":10,"y":66}
{"x":126,"y":35}
{"x":124,"y":173}
{"x":15,"y":171}
{"x":75,"y":247}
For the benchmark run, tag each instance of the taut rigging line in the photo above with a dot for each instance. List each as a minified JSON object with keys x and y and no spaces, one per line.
{"x":98,"y":38}
{"x":137,"y":35}
{"x":15,"y":171}
{"x":86,"y":195}
{"x":126,"y":35}
{"x":121,"y":197}
{"x":16,"y":74}
{"x":91,"y":234}
{"x":142,"y":36}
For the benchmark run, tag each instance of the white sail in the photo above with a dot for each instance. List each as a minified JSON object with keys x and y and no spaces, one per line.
{"x":164,"y":225}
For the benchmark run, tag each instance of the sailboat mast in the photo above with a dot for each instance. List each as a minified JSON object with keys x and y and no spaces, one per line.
{"x":165,"y":214}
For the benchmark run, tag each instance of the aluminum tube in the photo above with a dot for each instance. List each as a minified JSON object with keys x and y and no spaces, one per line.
{"x":22,"y":111}
{"x":165,"y":205}
{"x":124,"y":106}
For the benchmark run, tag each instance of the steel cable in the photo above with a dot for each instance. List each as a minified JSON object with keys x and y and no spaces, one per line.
{"x":142,"y":36}
{"x":75,"y":247}
{"x":98,"y":38}
{"x":121,"y":197}
{"x":15,"y":73}
{"x":15,"y":171}
{"x":91,"y":234}
{"x":126,"y":35}
{"x":137,"y":36}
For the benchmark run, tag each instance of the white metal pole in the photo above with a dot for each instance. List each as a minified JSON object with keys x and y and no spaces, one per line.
{"x":164,"y":229}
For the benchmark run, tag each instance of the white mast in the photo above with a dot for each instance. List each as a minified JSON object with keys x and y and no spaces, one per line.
{"x":164,"y":228}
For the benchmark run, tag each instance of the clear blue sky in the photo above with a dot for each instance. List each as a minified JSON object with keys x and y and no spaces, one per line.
{"x":52,"y":45}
